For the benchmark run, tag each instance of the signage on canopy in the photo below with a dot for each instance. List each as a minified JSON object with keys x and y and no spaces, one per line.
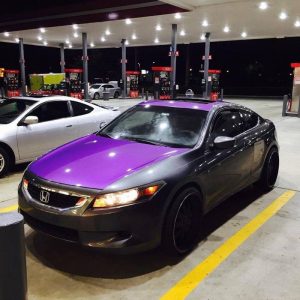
{"x":210,"y":57}
{"x":73,"y":70}
{"x":162,"y":69}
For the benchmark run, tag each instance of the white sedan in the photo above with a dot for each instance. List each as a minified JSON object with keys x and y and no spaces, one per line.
{"x":29,"y":127}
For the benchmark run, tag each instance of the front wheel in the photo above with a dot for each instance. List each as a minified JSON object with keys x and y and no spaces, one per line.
{"x":4,"y":162}
{"x":183,"y":223}
{"x":96,"y":96}
{"x":270,"y":171}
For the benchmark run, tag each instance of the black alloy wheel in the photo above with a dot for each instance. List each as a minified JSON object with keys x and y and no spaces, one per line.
{"x":116,"y":95}
{"x":183,"y":223}
{"x":270,"y":170}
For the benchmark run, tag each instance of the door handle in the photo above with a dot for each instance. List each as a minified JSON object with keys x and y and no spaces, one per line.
{"x":68,"y":126}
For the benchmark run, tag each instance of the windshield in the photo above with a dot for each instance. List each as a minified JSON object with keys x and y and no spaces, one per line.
{"x":95,"y":86}
{"x":173,"y":127}
{"x":12,"y":108}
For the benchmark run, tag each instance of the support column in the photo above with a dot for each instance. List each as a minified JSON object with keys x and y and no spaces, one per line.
{"x":173,"y":60}
{"x":62,"y":57}
{"x":22,"y":67}
{"x":85,"y":65}
{"x":206,"y":62}
{"x":187,"y":66}
{"x":124,"y":79}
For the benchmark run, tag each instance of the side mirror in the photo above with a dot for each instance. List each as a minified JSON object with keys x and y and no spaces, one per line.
{"x":31,"y":120}
{"x":224,"y":142}
{"x":102,"y":125}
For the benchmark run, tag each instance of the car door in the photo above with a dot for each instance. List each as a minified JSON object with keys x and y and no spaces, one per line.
{"x":55,"y":127}
{"x":228,"y":170}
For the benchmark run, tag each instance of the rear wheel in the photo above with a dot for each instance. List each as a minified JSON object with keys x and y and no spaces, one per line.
{"x":5,"y":162}
{"x":270,"y":171}
{"x":116,"y":95}
{"x":96,"y":96}
{"x":183,"y":223}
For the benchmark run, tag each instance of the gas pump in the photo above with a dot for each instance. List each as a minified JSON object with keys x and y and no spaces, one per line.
{"x":11,"y":83}
{"x":73,"y":82}
{"x":133,"y":78}
{"x":295,"y":101}
{"x":162,"y":82}
{"x":214,"y":84}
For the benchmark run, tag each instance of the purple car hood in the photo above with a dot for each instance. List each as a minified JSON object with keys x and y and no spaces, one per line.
{"x":96,"y":162}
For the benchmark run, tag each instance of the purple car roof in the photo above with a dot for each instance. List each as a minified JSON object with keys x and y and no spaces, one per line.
{"x":206,"y":106}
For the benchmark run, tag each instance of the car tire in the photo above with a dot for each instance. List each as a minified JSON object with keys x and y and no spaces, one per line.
{"x":116,"y":95}
{"x":182,"y":227}
{"x":96,"y":96}
{"x":270,"y":171}
{"x":5,"y":162}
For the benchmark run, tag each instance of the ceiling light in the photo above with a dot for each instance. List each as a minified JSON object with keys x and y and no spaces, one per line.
{"x":263,"y":5}
{"x":39,"y":38}
{"x":297,"y":23}
{"x":17,"y":40}
{"x":126,"y":43}
{"x":75,"y":26}
{"x":177,"y":16}
{"x":67,"y":42}
{"x":134,"y":37}
{"x":45,"y":43}
{"x":158,"y":27}
{"x":283,"y":15}
{"x":6,"y":34}
{"x":42,"y":30}
{"x":204,"y":23}
{"x":182,"y":32}
{"x":70,"y":46}
{"x":128,"y":21}
{"x":226,"y":29}
{"x":92,"y":45}
{"x":244,"y":34}
{"x":156,"y":41}
{"x":75,"y":34}
{"x":103,"y":39}
{"x":202,"y":37}
{"x":107,"y":32}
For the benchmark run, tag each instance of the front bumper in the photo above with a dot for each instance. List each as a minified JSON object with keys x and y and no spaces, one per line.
{"x":129,"y":229}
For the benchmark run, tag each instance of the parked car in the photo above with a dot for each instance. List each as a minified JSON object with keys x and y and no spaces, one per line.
{"x":150,"y":176}
{"x":30,"y":127}
{"x":96,"y":90}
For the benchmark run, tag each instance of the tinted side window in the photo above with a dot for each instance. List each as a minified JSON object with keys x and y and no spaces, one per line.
{"x":250,"y":119}
{"x":80,"y":109}
{"x":52,"y":111}
{"x":228,"y":123}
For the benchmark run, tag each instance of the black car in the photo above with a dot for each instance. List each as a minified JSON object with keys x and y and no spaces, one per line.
{"x":149,"y":176}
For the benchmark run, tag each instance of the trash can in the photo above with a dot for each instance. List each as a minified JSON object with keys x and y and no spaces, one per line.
{"x":13,"y":277}
{"x":106,"y":96}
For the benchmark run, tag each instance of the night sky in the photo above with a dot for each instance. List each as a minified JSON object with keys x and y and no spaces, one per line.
{"x":252,"y":67}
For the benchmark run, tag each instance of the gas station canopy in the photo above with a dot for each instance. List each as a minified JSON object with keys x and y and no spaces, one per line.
{"x":149,"y":22}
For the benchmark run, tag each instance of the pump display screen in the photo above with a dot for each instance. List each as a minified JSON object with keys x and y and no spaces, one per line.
{"x":73,"y":76}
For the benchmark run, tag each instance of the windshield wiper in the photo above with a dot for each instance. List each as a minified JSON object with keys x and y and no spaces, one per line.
{"x":104,"y":134}
{"x":144,"y":141}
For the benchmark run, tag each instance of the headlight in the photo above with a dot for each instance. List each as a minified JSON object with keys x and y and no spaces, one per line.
{"x":25,"y":184}
{"x":125,"y":197}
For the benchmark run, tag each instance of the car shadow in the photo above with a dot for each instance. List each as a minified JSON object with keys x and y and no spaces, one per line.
{"x":76,"y":260}
{"x":19,"y":168}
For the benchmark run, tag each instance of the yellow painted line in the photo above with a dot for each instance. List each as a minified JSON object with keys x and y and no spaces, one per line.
{"x":191,"y":280}
{"x":8,"y":209}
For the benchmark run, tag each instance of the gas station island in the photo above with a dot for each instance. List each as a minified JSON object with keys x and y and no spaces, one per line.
{"x":129,"y":166}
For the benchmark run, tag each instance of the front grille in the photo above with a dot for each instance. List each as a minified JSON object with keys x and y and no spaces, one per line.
{"x":54,"y":199}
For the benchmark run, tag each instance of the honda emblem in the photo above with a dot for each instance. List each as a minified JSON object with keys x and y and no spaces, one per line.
{"x":44,"y":196}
